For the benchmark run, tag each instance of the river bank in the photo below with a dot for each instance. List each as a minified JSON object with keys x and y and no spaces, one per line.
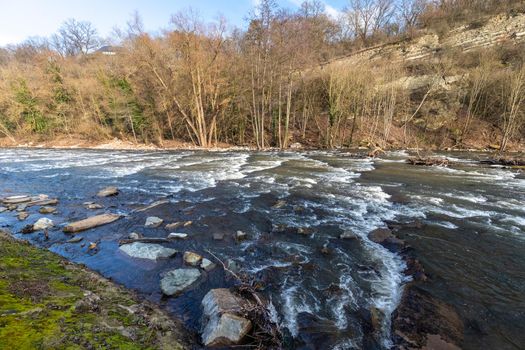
{"x":121,"y":144}
{"x":47,"y":302}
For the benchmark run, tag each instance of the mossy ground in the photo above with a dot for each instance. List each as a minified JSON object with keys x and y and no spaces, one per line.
{"x":48,"y":303}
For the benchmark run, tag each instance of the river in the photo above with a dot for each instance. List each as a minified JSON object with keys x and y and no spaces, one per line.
{"x":471,"y":243}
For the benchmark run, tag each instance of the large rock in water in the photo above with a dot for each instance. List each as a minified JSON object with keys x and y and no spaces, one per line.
{"x":153,"y":222}
{"x":176,"y":281}
{"x":43,"y":224}
{"x":147,"y":251}
{"x":108,"y":192}
{"x":223,"y":325}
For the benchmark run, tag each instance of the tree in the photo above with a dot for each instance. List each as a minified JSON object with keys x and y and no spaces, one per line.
{"x":75,"y":38}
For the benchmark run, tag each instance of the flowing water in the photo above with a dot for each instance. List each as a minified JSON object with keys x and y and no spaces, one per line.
{"x":472,"y":244}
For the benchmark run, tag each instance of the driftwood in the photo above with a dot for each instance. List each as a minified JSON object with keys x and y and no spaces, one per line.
{"x":91,"y":222}
{"x":151,"y":206}
{"x":429,"y":161}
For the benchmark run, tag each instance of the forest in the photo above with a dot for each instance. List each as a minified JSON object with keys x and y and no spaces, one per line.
{"x":278,"y":82}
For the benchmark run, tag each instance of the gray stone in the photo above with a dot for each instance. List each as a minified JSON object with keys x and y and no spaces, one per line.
{"x":192,"y":258}
{"x":177,"y":236}
{"x":153,"y":222}
{"x":177,"y":281}
{"x":108,"y":191}
{"x":134,"y":235}
{"x":21,"y":207}
{"x":43,"y":224}
{"x":218,"y":236}
{"x":241,"y":236}
{"x":207,"y":265}
{"x":223,"y":326}
{"x":147,"y":251}
{"x":233,"y":265}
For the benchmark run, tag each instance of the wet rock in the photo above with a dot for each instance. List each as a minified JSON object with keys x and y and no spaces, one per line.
{"x":280,"y":204}
{"x":241,"y":236}
{"x":75,"y":239}
{"x":91,"y":222}
{"x":108,"y":192}
{"x":2,"y":209}
{"x":218,"y":236}
{"x":16,"y":199}
{"x":316,"y":332}
{"x":192,"y":259}
{"x":47,"y":210}
{"x":23,"y":215}
{"x":385,"y":237}
{"x":233,"y":266}
{"x":92,"y":206}
{"x":223,"y":325}
{"x":174,"y":235}
{"x":21,"y":207}
{"x":421,"y":319}
{"x":135,"y":235}
{"x":43,"y":224}
{"x":306,"y":231}
{"x":11,"y":207}
{"x":153,"y":222}
{"x":296,"y":145}
{"x":348,"y":235}
{"x":207,"y":265}
{"x":147,"y":251}
{"x":174,"y":225}
{"x":43,"y":202}
{"x":177,"y":281}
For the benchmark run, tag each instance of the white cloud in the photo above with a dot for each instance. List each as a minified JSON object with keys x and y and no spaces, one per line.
{"x":328,"y":9}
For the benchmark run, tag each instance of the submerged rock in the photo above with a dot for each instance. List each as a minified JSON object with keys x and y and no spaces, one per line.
{"x":23,"y":215}
{"x":218,"y":236}
{"x":108,"y":192}
{"x":75,"y":239}
{"x":176,"y":281}
{"x":192,"y":258}
{"x":280,"y":204}
{"x":174,"y":225}
{"x":147,"y":251}
{"x":43,"y":224}
{"x":316,"y":332}
{"x":153,"y":222}
{"x":47,"y":210}
{"x":348,"y":235}
{"x":207,"y":265}
{"x":223,"y":325}
{"x":21,"y":207}
{"x":2,"y":209}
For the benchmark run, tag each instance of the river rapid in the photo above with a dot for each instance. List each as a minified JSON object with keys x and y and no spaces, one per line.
{"x":294,"y":208}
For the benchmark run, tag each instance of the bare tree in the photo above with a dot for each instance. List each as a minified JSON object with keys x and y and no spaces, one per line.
{"x":409,"y":11}
{"x":368,"y":17}
{"x":75,"y":38}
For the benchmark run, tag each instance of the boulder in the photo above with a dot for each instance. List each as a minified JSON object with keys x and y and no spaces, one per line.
{"x":108,"y":192}
{"x":177,"y":281}
{"x":91,"y":222}
{"x":43,"y":224}
{"x":177,"y":236}
{"x":192,"y":258}
{"x":153,"y":222}
{"x":222,"y":324}
{"x":47,"y":210}
{"x":241,"y":235}
{"x":147,"y":251}
{"x":207,"y":265}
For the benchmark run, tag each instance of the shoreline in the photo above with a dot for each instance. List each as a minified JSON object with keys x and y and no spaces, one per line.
{"x":123,"y":145}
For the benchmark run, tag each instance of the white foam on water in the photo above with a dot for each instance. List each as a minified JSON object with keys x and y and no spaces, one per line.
{"x":446,"y":224}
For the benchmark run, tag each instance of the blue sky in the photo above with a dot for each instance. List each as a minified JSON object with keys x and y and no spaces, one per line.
{"x":20,"y":19}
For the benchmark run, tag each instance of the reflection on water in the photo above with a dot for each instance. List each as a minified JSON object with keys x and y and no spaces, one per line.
{"x":472,"y":242}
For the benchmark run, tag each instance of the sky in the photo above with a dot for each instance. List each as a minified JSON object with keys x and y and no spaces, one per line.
{"x":20,"y":19}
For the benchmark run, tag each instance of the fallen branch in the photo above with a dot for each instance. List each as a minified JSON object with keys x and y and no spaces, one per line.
{"x":145,"y":240}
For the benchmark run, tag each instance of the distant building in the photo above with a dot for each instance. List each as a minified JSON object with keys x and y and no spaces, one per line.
{"x":109,"y":50}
